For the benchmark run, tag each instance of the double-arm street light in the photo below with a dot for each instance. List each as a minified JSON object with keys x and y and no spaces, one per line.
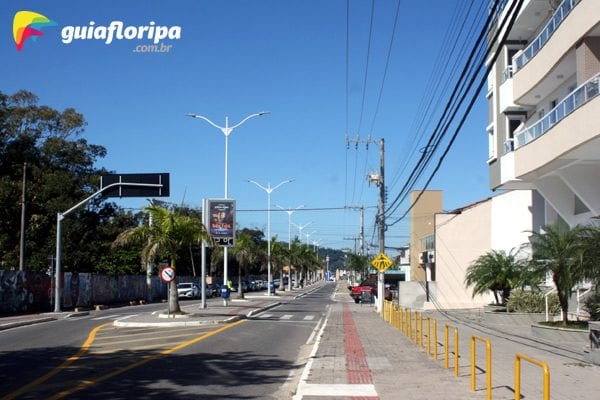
{"x":226,"y":131}
{"x":269,"y":190}
{"x":289,"y":212}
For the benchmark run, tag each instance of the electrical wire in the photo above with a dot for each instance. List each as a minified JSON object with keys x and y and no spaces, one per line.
{"x":451,"y":109}
{"x":362,"y":107}
{"x":387,"y":63}
{"x":512,"y":12}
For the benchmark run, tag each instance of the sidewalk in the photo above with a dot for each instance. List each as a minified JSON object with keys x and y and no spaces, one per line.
{"x":360,"y":356}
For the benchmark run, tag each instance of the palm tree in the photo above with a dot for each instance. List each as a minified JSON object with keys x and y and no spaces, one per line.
{"x":496,"y":271}
{"x":170,"y":231}
{"x":295,"y":254}
{"x":591,"y":263}
{"x":559,"y":250}
{"x":244,"y":252}
{"x":279,"y":255}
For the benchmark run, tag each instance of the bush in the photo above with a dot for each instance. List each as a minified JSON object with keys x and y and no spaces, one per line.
{"x":592,"y":305}
{"x":532,"y":302}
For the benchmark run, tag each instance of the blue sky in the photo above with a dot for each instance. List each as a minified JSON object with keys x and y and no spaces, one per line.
{"x":235,"y":58}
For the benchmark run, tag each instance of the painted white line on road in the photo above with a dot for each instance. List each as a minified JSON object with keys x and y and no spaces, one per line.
{"x":338,"y":390}
{"x":128,"y":316}
{"x":266,"y":315}
{"x":286,"y":316}
{"x":314,"y":332}
{"x":106,"y":317}
{"x":309,"y":363}
{"x":309,"y":317}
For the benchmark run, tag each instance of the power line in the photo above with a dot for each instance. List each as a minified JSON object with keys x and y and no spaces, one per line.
{"x":512,"y":12}
{"x":362,"y":108}
{"x":449,"y":113}
{"x":387,"y":63}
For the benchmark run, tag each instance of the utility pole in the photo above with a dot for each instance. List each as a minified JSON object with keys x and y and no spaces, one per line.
{"x":361,"y":235}
{"x":22,"y":239}
{"x":378,"y":180}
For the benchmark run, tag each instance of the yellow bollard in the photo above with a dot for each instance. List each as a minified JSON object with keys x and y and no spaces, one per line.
{"x":488,"y":365}
{"x":421,"y":330}
{"x":435,"y":341}
{"x":541,"y":364}
{"x":446,"y":328}
{"x":428,"y":335}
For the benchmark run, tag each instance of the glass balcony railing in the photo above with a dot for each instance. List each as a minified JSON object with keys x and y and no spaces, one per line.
{"x":572,"y":102}
{"x":534,"y":47}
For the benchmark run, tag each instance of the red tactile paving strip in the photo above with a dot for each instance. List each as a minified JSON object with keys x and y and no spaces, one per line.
{"x":357,"y":368}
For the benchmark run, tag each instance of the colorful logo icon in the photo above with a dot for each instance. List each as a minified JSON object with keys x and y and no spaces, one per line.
{"x":29,"y":24}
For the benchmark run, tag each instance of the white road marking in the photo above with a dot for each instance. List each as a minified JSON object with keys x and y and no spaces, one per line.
{"x":309,"y":317}
{"x":332,"y":390}
{"x":266,"y":315}
{"x":286,"y":316}
{"x":107,"y":317}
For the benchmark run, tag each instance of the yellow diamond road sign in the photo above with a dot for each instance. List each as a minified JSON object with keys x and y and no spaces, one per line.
{"x":381,"y":262}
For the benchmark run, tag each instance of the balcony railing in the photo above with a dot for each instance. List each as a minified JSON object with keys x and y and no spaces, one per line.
{"x":573,"y":101}
{"x":534,"y":47}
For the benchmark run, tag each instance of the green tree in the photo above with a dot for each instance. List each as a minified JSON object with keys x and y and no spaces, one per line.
{"x":279,"y":256}
{"x":359,"y":264}
{"x":245,"y":253}
{"x":496,"y":271}
{"x":169,"y":232}
{"x":60,"y":173}
{"x":591,"y":256}
{"x":559,"y":251}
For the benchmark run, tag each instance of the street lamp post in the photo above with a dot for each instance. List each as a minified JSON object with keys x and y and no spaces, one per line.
{"x":289,"y":212}
{"x":226,"y":131}
{"x":269,"y":190}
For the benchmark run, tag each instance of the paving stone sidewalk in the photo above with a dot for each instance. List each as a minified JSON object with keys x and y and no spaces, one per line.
{"x":395,"y":367}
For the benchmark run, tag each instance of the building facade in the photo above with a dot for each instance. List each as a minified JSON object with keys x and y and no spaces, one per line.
{"x":544,"y":110}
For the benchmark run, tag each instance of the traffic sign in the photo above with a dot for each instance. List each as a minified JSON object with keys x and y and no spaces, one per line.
{"x":381,"y":262}
{"x":136,"y":185}
{"x":167,"y":274}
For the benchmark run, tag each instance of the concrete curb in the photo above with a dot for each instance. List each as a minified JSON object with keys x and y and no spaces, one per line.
{"x":17,"y":324}
{"x":188,"y":323}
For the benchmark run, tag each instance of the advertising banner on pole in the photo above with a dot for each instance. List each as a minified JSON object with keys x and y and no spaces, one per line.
{"x":221,"y":221}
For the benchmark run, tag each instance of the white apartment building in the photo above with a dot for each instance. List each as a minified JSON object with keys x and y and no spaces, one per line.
{"x":544,"y":109}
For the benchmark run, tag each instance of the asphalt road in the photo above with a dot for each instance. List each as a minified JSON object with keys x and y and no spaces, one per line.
{"x":261,"y":357}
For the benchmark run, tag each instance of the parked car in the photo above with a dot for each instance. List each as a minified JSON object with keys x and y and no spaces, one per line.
{"x":369,"y":285}
{"x":188,"y":290}
{"x":213,"y":290}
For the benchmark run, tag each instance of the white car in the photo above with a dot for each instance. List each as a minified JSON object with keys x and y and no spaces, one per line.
{"x":188,"y":291}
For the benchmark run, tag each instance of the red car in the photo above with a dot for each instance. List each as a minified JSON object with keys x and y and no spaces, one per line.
{"x":369,"y":284}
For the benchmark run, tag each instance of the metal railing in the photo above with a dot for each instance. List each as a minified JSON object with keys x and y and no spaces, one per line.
{"x":536,"y":44}
{"x":402,"y":319}
{"x":488,"y":365}
{"x":572,"y":102}
{"x":446,"y":348}
{"x":541,"y":364}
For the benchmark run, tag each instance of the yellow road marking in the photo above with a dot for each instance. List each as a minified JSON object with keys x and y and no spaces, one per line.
{"x":105,"y":335}
{"x":144,"y":339}
{"x":56,"y":370}
{"x":145,"y":360}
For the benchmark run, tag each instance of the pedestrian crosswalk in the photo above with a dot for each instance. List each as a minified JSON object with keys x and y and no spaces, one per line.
{"x":288,"y":317}
{"x":114,"y":317}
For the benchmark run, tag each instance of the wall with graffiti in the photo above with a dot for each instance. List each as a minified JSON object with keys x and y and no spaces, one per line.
{"x":24,"y":291}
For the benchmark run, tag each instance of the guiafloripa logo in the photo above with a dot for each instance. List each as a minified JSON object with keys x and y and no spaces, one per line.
{"x":29,"y":24}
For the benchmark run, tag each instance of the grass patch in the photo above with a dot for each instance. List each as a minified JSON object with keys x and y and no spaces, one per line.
{"x":581,"y":325}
